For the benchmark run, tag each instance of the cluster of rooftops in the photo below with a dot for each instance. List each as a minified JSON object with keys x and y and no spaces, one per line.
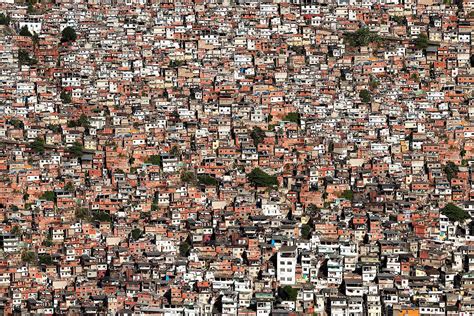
{"x":237,"y":157}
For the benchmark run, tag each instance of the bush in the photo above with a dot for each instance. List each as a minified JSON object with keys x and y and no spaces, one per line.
{"x":455,"y":213}
{"x":260,"y":178}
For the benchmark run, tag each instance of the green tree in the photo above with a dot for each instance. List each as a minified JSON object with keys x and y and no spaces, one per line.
{"x":206,"y":179}
{"x":455,"y":213}
{"x":260,"y":178}
{"x":45,"y":259}
{"x":83,"y":214}
{"x":364,"y":95}
{"x":136,"y":233}
{"x":373,"y":84}
{"x":35,"y":39}
{"x":16,"y":230}
{"x":16,"y":123}
{"x":24,"y":31}
{"x":188,"y":177}
{"x":48,"y":196}
{"x":38,"y":146}
{"x":24,"y":58}
{"x":31,"y":9}
{"x":76,"y":150}
{"x":154,"y":160}
{"x":48,"y":242}
{"x":83,"y":121}
{"x":54,"y":128}
{"x":415,"y":77}
{"x":288,"y":293}
{"x":421,"y":42}
{"x":175,"y":151}
{"x":257,"y":135}
{"x":66,"y":97}
{"x":28,"y":257}
{"x":292,"y":117}
{"x":299,"y":50}
{"x":399,"y":19}
{"x":101,"y":216}
{"x":361,"y":37}
{"x":184,"y":249}
{"x":4,"y":19}
{"x":68,"y":35}
{"x":69,"y":187}
{"x":306,"y":231}
{"x":348,"y":195}
{"x":311,"y":208}
{"x":451,"y":170}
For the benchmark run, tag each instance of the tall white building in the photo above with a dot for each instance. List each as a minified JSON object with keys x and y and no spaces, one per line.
{"x":286,"y":265}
